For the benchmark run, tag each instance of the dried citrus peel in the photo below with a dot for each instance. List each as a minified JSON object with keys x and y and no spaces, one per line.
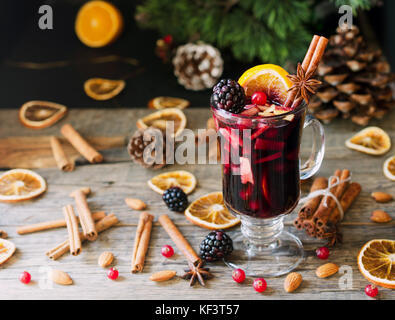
{"x":371,"y":140}
{"x":103,"y":89}
{"x":41,"y":114}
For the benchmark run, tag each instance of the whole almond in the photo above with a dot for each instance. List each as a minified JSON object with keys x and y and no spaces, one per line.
{"x":105,"y":259}
{"x":326,"y":270}
{"x":60,"y":277}
{"x":380,"y":216}
{"x":381,"y":196}
{"x":292,"y":281}
{"x":162,"y":275}
{"x":3,"y":234}
{"x":135,"y":204}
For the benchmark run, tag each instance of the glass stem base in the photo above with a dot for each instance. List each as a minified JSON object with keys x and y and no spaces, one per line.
{"x":264,"y":249}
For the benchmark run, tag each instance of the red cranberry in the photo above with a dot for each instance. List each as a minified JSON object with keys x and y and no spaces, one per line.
{"x":260,"y":284}
{"x":167,"y":251}
{"x":238,"y":275}
{"x":371,"y":290}
{"x":322,"y":253}
{"x":168,"y":39}
{"x":25,"y":277}
{"x":112,"y":274}
{"x":259,"y":98}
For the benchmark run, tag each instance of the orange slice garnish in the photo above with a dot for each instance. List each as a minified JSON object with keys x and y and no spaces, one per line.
{"x":371,"y":140}
{"x":103,"y":89}
{"x":210,"y":212}
{"x":98,"y":23}
{"x":160,"y":103}
{"x":389,"y":168}
{"x":20,"y":184}
{"x":160,"y":118}
{"x":41,"y":114}
{"x":180,"y":178}
{"x":269,"y":78}
{"x":7,"y":249}
{"x":376,"y":262}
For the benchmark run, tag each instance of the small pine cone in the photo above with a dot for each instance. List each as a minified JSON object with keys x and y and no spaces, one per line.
{"x":144,"y":146}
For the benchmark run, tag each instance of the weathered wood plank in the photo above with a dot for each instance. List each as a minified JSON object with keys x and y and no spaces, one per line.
{"x":112,"y":182}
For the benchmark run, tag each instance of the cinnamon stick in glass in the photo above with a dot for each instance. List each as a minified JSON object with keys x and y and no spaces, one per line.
{"x":177,"y":237}
{"x":141,"y":241}
{"x":86,"y":219}
{"x":61,"y":159}
{"x":102,"y":225}
{"x":72,"y":229}
{"x":47,"y":225}
{"x":80,"y":144}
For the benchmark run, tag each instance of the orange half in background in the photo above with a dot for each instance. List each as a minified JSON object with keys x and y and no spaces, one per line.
{"x":98,"y":23}
{"x":268,"y":78}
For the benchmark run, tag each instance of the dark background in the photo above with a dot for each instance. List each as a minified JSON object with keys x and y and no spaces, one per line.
{"x":22,"y":40}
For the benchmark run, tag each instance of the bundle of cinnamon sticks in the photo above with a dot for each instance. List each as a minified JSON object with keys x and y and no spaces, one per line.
{"x":320,"y":216}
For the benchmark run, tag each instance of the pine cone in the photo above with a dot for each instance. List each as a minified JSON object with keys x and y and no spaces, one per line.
{"x":355,"y":80}
{"x":197,"y":66}
{"x":138,"y":150}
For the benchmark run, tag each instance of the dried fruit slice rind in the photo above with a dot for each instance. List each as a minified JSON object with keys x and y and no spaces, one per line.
{"x":38,"y":114}
{"x":389,"y":168}
{"x":160,"y":103}
{"x":20,"y":184}
{"x":7,"y":249}
{"x":180,"y":178}
{"x":376,"y":262}
{"x":210,"y":212}
{"x":371,"y":140}
{"x":103,"y":89}
{"x":160,"y":118}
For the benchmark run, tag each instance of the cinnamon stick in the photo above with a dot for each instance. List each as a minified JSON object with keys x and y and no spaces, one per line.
{"x":177,"y":237}
{"x":80,"y":144}
{"x":61,"y":159}
{"x":309,"y":207}
{"x":46,"y":225}
{"x":72,"y":229}
{"x":141,"y":241}
{"x":102,"y":225}
{"x":86,"y":220}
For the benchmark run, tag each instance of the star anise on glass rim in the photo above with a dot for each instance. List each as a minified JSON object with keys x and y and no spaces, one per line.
{"x":197,"y":272}
{"x":303,"y":84}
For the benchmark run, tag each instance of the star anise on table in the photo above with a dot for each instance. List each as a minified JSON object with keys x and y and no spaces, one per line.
{"x":303,"y":84}
{"x":197,"y":272}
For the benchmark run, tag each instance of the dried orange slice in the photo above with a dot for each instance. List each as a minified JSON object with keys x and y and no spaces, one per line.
{"x":98,"y":23}
{"x":160,"y":118}
{"x":376,"y":261}
{"x":371,"y":140}
{"x":20,"y":184}
{"x":269,"y":78}
{"x":389,"y":168}
{"x":180,"y":178}
{"x":210,"y":212}
{"x":41,"y":114}
{"x":7,"y":249}
{"x":160,"y":103}
{"x":103,"y":89}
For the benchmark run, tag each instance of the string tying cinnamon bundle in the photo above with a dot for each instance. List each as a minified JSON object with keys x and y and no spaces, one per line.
{"x":325,"y":207}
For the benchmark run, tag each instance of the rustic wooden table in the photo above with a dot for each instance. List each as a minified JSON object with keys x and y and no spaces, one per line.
{"x":118,"y":178}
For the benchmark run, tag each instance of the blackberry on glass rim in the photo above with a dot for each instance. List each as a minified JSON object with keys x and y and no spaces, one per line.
{"x":228,"y":95}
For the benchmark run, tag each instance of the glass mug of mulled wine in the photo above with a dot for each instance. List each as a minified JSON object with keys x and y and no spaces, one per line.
{"x":261,"y":175}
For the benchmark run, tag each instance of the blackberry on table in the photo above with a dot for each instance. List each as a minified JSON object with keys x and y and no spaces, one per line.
{"x":228,"y":95}
{"x":175,"y":199}
{"x":215,"y":246}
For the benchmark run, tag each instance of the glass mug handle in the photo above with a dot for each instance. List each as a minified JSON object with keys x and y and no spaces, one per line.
{"x":313,"y":164}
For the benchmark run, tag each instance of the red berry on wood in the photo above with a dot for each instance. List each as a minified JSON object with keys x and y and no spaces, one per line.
{"x":259,"y":98}
{"x":112,"y":273}
{"x":167,"y":251}
{"x":238,"y":275}
{"x":371,"y":290}
{"x":322,"y":253}
{"x":25,"y":277}
{"x":259,"y":284}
